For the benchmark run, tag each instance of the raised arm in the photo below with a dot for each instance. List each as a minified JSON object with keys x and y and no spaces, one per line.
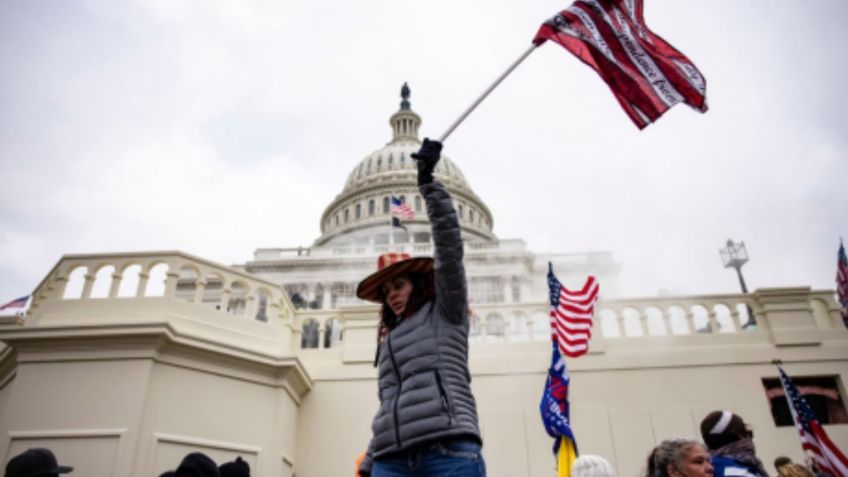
{"x":451,"y":287}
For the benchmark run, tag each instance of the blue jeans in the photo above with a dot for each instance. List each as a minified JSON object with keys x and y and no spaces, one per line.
{"x":457,"y":457}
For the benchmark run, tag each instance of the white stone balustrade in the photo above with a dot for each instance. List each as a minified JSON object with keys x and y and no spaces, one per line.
{"x":785,"y":316}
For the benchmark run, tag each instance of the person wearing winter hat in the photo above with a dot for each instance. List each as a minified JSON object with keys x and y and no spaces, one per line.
{"x":35,"y":462}
{"x":427,"y":421}
{"x":236,"y":468}
{"x":588,"y":465}
{"x":197,"y":464}
{"x":731,"y":445}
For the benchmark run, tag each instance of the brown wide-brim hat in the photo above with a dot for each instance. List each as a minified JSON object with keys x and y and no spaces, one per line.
{"x":390,"y":265}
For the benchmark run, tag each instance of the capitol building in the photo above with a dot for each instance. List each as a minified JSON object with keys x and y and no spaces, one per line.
{"x":126,"y":362}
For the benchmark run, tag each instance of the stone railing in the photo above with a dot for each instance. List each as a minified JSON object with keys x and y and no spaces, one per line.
{"x":175,"y":275}
{"x":785,"y":316}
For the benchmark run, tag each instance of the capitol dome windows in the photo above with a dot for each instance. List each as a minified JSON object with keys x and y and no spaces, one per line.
{"x":402,"y":159}
{"x":358,"y":212}
{"x":380,"y":161}
{"x":461,"y":212}
{"x":371,"y":207}
{"x":386,"y":206}
{"x":418,"y":203}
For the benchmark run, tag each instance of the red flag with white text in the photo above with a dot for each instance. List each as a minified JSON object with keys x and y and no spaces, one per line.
{"x":647,"y":75}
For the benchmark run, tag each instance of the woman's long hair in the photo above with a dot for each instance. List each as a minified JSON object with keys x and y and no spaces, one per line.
{"x":423,"y":290}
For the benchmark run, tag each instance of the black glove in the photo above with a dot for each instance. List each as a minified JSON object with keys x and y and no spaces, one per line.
{"x":427,"y":157}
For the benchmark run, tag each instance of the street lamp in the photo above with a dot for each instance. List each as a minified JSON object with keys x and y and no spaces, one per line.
{"x":734,"y":255}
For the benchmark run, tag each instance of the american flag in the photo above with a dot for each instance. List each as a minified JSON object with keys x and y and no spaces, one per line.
{"x":814,"y":439}
{"x":571,"y":314}
{"x":399,"y":209}
{"x":16,"y":303}
{"x":842,"y":280}
{"x":647,"y":75}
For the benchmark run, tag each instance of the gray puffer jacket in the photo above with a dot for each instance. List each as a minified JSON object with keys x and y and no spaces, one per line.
{"x":425,"y":391}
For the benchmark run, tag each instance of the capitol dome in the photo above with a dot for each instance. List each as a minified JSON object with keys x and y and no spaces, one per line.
{"x":360,"y":214}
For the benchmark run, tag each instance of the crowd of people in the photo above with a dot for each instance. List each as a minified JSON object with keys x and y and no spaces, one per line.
{"x":41,"y":462}
{"x":727,"y":450}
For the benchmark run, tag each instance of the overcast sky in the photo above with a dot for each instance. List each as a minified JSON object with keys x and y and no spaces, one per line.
{"x":219,"y":127}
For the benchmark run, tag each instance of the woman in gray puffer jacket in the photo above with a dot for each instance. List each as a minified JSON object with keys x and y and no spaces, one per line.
{"x":427,"y":421}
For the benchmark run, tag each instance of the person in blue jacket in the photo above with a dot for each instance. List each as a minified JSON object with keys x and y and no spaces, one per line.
{"x":731,"y":445}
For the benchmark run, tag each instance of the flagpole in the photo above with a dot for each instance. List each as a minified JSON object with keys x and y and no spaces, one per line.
{"x":486,"y":93}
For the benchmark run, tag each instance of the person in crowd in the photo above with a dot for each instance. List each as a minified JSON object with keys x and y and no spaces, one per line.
{"x":794,"y":470}
{"x":35,"y":462}
{"x":780,"y":462}
{"x":197,"y":464}
{"x":731,"y":445}
{"x":236,"y":468}
{"x":588,"y":465}
{"x":426,"y":424}
{"x":816,"y":468}
{"x":679,"y":458}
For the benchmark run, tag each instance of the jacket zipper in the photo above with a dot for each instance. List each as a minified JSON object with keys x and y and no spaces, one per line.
{"x":397,"y":394}
{"x":444,"y":394}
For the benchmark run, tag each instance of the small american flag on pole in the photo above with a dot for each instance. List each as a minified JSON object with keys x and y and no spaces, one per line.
{"x":647,"y":75}
{"x":400,"y":209}
{"x":814,"y":439}
{"x":842,"y":280}
{"x":571,"y":314}
{"x":16,"y":303}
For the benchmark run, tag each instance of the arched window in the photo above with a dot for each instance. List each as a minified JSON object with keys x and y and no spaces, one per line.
{"x":358,"y":213}
{"x":309,"y":338}
{"x":386,"y":205}
{"x":346,"y":215}
{"x":102,"y":282}
{"x":371,"y":207}
{"x":461,"y":212}
{"x":336,"y":219}
{"x":390,"y":162}
{"x":418,"y":203}
{"x":332,"y":333}
{"x":380,"y":162}
{"x":76,"y":283}
{"x":471,"y":216}
{"x":368,"y":167}
{"x":156,"y":280}
{"x":402,"y":159}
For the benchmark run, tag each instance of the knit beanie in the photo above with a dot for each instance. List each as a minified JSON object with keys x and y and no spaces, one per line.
{"x":236,"y":468}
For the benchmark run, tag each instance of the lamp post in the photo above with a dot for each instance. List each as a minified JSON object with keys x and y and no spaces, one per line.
{"x":734,"y":255}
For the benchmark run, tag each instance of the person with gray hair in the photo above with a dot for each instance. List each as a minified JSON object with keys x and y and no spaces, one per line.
{"x":679,"y":458}
{"x":588,"y":465}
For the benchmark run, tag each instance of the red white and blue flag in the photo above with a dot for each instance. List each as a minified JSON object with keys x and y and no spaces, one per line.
{"x":814,"y":440}
{"x":16,"y":303}
{"x":842,"y":280}
{"x":400,"y":209}
{"x":647,"y":75}
{"x":571,"y":314}
{"x":571,"y":329}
